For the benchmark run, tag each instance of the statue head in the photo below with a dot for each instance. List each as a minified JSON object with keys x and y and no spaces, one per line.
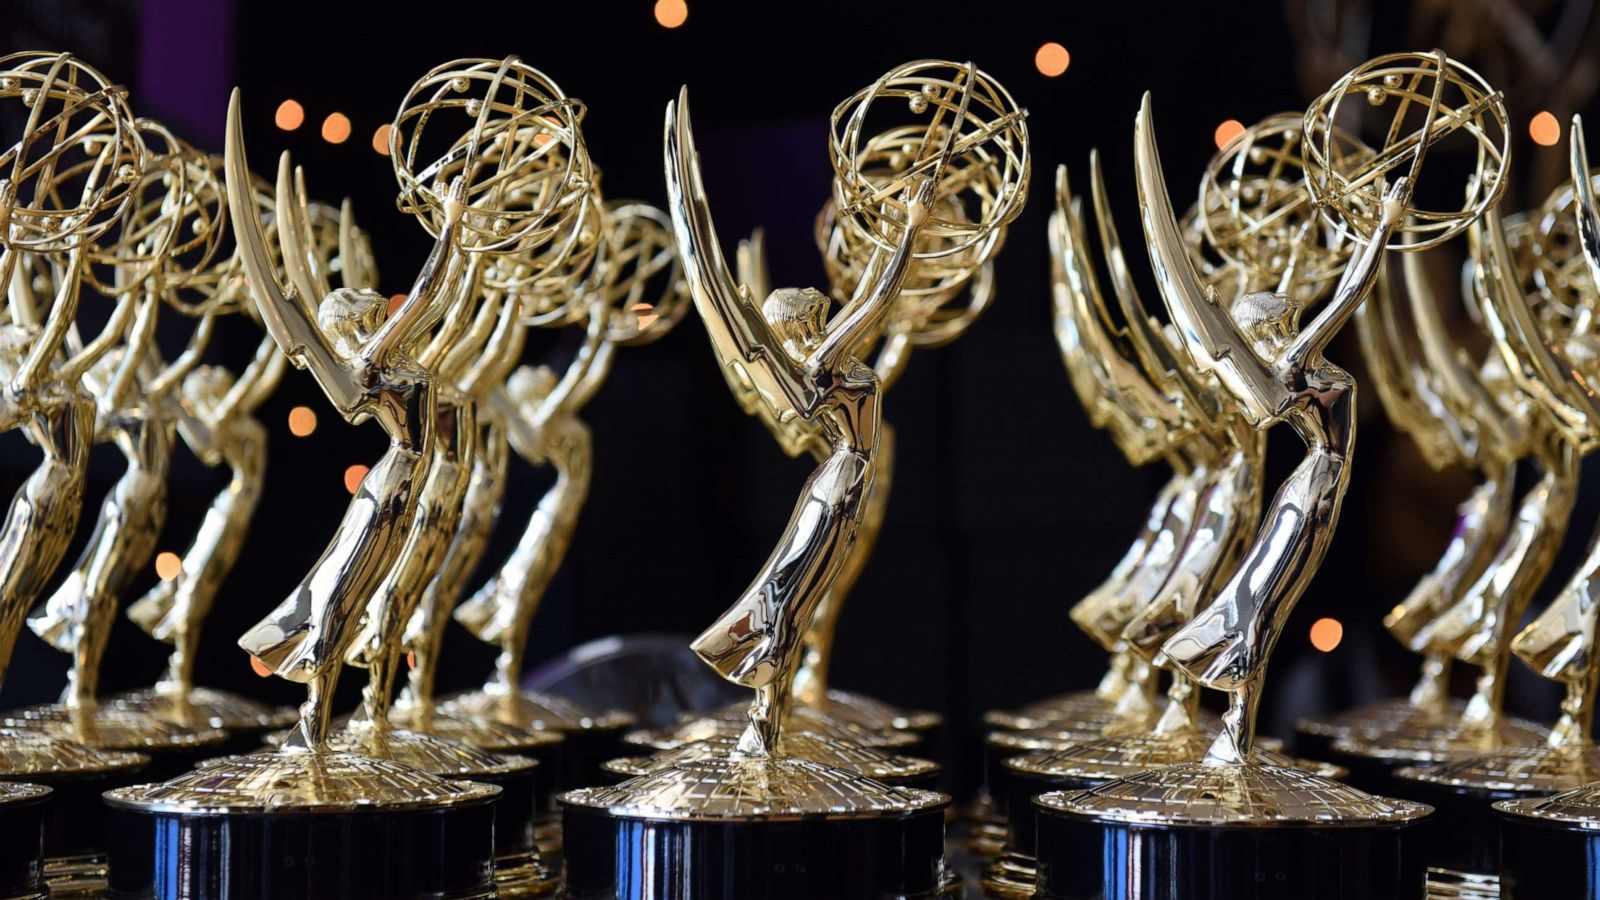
{"x":206,"y":386}
{"x":797,"y":317}
{"x":350,"y":317}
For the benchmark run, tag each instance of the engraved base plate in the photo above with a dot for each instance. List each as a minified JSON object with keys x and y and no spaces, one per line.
{"x":1315,"y":736}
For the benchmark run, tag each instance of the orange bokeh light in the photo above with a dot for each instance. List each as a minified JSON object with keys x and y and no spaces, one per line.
{"x":380,"y":139}
{"x":1227,"y":131}
{"x":336,"y":128}
{"x":1545,"y":129}
{"x":671,"y":13}
{"x":302,"y":421}
{"x":290,"y":115}
{"x":169,"y":565}
{"x":1326,"y":634}
{"x":1052,"y":59}
{"x":353,"y":476}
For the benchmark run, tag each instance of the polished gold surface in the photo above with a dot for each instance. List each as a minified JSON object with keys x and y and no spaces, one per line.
{"x":398,"y":369}
{"x":163,"y":255}
{"x":1559,"y":643}
{"x":299,"y":781}
{"x":917,"y":210}
{"x":799,"y":372}
{"x":78,"y":140}
{"x":1245,"y":350}
{"x":1273,"y":367}
{"x":633,"y":295}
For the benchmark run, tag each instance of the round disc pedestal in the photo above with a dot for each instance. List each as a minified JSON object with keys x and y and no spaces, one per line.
{"x":74,"y":820}
{"x":771,"y":828}
{"x":1463,"y":840}
{"x":1080,"y":767}
{"x":172,"y":749}
{"x":888,"y":768}
{"x":245,"y":720}
{"x":22,"y":810}
{"x":519,"y":867}
{"x":306,"y":825}
{"x":1548,"y":846}
{"x":1228,"y":832}
{"x":591,"y":737}
{"x":1316,"y":737}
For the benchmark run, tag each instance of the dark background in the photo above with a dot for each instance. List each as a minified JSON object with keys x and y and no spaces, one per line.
{"x":1007,"y":505}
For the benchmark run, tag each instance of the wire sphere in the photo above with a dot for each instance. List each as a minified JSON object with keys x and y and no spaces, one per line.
{"x":512,"y":137}
{"x":1256,"y":212}
{"x":549,"y":283}
{"x":986,"y":174}
{"x":643,"y":278}
{"x":1555,"y":262}
{"x":1228,"y":278}
{"x":1349,"y":192}
{"x":72,"y":151}
{"x":171,"y":229}
{"x":928,"y":296}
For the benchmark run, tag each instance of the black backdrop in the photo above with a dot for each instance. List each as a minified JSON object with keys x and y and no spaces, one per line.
{"x":1007,"y":505}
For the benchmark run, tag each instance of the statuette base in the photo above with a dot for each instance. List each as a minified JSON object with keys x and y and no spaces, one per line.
{"x":337,"y":825}
{"x":1229,"y":832}
{"x":754,"y":827}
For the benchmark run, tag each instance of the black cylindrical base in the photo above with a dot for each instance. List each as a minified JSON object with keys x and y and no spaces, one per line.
{"x":1375,"y":776}
{"x":1309,"y":745}
{"x":1022,"y":816}
{"x":1547,"y":860}
{"x":1082,"y":859}
{"x":22,"y":858}
{"x":583,"y":752}
{"x":897,"y":855}
{"x":74,"y":817}
{"x":433,"y":853}
{"x":1463,"y":834}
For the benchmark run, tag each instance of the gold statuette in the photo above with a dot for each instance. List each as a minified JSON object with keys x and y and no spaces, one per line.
{"x":215,"y":417}
{"x":165,"y":248}
{"x":960,"y":177}
{"x":1272,"y":370}
{"x":474,"y":199}
{"x":78,"y":141}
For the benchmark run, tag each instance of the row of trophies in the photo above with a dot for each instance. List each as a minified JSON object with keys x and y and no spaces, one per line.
{"x":803,"y":791}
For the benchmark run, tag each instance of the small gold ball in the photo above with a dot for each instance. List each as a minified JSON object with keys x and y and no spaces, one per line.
{"x":1392,"y":81}
{"x":918,"y":103}
{"x":458,"y":83}
{"x":1376,"y":96}
{"x":30,"y":97}
{"x":473,"y":106}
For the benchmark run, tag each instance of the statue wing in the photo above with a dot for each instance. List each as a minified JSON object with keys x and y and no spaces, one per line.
{"x":285,"y":315}
{"x":1213,"y":340}
{"x":766,"y":382}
